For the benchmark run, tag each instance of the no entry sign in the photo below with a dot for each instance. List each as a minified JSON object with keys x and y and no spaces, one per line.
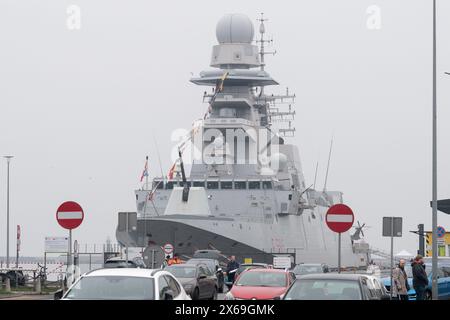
{"x":69,"y":215}
{"x":168,"y":248}
{"x":339,"y":218}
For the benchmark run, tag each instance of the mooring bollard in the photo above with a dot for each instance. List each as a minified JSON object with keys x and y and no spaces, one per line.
{"x":7,"y":284}
{"x":37,"y":286}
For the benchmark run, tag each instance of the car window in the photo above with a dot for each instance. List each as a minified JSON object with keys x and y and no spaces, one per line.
{"x":292,"y":277}
{"x":202,"y":271}
{"x":163,"y":287}
{"x":182,"y":271}
{"x":257,"y":279}
{"x":446,"y":271}
{"x":112,"y":288}
{"x":173,"y":285}
{"x":326,"y":289}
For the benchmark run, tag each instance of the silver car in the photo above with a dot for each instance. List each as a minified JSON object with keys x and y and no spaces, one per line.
{"x":126,"y":284}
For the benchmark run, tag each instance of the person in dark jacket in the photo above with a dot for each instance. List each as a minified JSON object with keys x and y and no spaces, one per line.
{"x":232,"y":266}
{"x":420,"y":278}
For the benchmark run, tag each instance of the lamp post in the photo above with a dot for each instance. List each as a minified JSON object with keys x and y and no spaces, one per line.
{"x":8,"y":159}
{"x":434,"y":291}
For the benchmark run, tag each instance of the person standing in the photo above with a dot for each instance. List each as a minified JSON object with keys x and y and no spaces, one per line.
{"x":175,"y":260}
{"x":420,"y":278}
{"x":232,"y":265}
{"x":400,"y":279}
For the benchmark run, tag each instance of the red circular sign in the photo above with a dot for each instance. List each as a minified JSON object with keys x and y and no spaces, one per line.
{"x":339,"y":218}
{"x":168,"y":248}
{"x":69,"y":215}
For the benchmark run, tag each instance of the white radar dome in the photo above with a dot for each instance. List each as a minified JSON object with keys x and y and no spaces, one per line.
{"x":278,"y":161}
{"x":235,"y":28}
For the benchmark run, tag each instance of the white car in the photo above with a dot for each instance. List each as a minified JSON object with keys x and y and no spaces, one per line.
{"x":126,"y":284}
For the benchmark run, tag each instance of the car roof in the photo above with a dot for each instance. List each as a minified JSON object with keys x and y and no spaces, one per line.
{"x":254,"y":264}
{"x":203,"y":259}
{"x":118,"y":259}
{"x":332,"y":276}
{"x":265,"y":270}
{"x":128,"y":272}
{"x":184,"y":265}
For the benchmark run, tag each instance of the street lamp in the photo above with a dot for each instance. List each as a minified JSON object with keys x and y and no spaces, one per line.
{"x":434,"y":291}
{"x":8,"y":159}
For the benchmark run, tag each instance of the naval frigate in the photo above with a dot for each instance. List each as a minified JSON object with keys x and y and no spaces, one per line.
{"x":245,"y":194}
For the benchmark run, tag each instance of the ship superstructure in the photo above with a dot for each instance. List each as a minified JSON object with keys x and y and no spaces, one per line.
{"x":246,"y":194}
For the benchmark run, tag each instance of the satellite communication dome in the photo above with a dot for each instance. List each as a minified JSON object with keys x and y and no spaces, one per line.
{"x":235,"y":28}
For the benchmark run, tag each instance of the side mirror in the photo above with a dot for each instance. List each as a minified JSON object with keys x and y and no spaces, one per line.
{"x":202,"y":276}
{"x":168,"y":295}
{"x":58,"y":294}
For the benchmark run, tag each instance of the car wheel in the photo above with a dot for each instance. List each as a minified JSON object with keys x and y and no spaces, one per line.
{"x":214,"y":295}
{"x":427,"y":295}
{"x":195,"y":294}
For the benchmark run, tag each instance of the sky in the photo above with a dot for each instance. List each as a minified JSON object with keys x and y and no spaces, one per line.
{"x":80,"y":108}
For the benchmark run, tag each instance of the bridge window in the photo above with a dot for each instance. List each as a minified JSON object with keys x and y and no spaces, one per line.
{"x":170,"y":185}
{"x":158,"y":184}
{"x":226,"y":185}
{"x":267,"y":184}
{"x":187,"y":182}
{"x":254,"y":185}
{"x":212,"y":185}
{"x":199,"y":184}
{"x":240,"y":185}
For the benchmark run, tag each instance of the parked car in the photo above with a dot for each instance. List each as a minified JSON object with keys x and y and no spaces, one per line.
{"x":260,"y":284}
{"x":443,"y":281}
{"x":329,"y":286}
{"x":196,"y":279}
{"x":242,"y":268}
{"x":208,"y":254}
{"x":214,"y":267}
{"x":118,"y":262}
{"x":16,"y":277}
{"x":126,"y":284}
{"x":310,"y":268}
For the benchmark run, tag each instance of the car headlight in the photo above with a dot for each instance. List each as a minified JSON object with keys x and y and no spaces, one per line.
{"x":229,"y":296}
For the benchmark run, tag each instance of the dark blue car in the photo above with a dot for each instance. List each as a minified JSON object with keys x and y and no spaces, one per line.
{"x":443,"y":282}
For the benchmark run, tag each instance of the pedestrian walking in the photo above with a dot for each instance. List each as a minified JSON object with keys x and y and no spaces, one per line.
{"x":420,"y":278}
{"x":232,"y":267}
{"x":400,"y":281}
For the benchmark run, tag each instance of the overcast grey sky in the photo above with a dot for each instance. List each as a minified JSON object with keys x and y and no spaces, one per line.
{"x":79,"y":108}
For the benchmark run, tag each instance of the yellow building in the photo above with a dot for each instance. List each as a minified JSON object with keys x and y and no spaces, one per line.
{"x":443,"y":245}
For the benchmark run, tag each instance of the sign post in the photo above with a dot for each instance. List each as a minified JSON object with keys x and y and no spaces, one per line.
{"x":18,"y":246}
{"x":392,"y":227}
{"x":339,"y":218}
{"x":69,"y":216}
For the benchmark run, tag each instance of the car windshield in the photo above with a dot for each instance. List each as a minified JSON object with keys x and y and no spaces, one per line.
{"x":182,"y":271}
{"x":119,"y":264}
{"x":209,"y":263}
{"x":307,"y":269}
{"x":262,"y":279}
{"x":112,"y":288}
{"x":324,"y":290}
{"x":246,"y":267}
